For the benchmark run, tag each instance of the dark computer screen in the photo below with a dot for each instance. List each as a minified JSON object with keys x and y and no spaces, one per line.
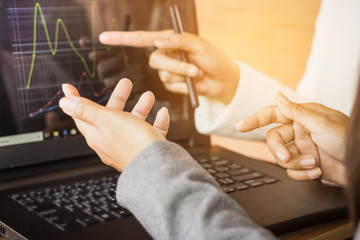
{"x":46,"y":43}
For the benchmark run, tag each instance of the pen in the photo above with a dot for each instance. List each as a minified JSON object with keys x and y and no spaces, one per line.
{"x":178,"y":28}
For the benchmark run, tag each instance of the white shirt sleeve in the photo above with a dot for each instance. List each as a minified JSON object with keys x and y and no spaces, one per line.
{"x":254,"y":92}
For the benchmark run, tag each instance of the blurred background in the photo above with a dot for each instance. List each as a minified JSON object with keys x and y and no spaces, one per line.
{"x":272,"y":36}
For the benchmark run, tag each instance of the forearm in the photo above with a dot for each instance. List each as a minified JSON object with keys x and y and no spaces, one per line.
{"x":174,"y":198}
{"x":255,"y":91}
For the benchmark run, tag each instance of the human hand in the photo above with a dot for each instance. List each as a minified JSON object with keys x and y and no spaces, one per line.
{"x":215,"y":75}
{"x":310,"y":142}
{"x":116,"y":136}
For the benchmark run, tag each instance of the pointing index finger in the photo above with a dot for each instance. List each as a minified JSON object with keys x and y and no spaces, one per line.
{"x":134,"y":38}
{"x":261,"y":118}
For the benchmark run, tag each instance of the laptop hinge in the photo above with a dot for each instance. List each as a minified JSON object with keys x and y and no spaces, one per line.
{"x":9,"y":233}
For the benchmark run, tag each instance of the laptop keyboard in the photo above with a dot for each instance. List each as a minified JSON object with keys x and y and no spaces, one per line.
{"x":93,"y":201}
{"x":75,"y":205}
{"x":232,"y":176}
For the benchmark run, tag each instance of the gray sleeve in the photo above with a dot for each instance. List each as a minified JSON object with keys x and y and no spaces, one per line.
{"x":174,"y":198}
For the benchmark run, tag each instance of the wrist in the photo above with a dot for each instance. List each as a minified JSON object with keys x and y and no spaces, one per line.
{"x":230,"y":85}
{"x":135,"y":152}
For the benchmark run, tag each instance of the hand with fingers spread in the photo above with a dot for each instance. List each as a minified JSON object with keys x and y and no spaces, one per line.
{"x":116,"y":136}
{"x":215,"y":75}
{"x":309,"y":143}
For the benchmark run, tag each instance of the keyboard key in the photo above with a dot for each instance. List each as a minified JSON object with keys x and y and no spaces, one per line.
{"x":207,"y":165}
{"x":241,"y":186}
{"x":221,"y":175}
{"x":225,"y":181}
{"x":44,"y":207}
{"x":239,"y":171}
{"x":228,"y":190}
{"x":60,"y":217}
{"x":203,"y":160}
{"x":104,"y":216}
{"x":48,"y":211}
{"x":113,"y":206}
{"x":234,"y":166}
{"x":269,"y":180}
{"x":221,"y":162}
{"x":215,"y":158}
{"x":57,"y":214}
{"x":246,"y":177}
{"x":121,"y":212}
{"x":221,"y":169}
{"x":86,"y":220}
{"x":211,"y":171}
{"x":254,"y":183}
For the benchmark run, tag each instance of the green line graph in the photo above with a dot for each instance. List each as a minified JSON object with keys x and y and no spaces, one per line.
{"x":95,"y":13}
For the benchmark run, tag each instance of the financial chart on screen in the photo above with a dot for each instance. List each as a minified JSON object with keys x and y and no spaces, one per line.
{"x":56,"y":42}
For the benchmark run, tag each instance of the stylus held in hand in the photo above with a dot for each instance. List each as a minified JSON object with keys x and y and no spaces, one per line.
{"x":178,"y":28}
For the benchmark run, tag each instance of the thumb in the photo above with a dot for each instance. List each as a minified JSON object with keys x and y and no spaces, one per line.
{"x":69,"y":90}
{"x":311,"y":120}
{"x":82,"y":109}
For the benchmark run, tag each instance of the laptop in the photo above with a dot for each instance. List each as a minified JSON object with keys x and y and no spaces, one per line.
{"x":52,"y":185}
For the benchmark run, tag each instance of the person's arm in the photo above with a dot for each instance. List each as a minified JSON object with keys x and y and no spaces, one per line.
{"x":255,"y":90}
{"x":174,"y":198}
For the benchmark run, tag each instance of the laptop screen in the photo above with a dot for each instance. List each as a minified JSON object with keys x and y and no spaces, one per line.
{"x":44,"y":43}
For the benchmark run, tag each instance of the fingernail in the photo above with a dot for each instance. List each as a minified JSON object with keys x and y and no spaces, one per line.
{"x":239,"y":126}
{"x":64,"y":89}
{"x":282,"y":98}
{"x":307,"y":162}
{"x":314,"y":173}
{"x":164,"y":109}
{"x":280,"y":155}
{"x":103,"y":37}
{"x":67,"y":105}
{"x":192,"y":71}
